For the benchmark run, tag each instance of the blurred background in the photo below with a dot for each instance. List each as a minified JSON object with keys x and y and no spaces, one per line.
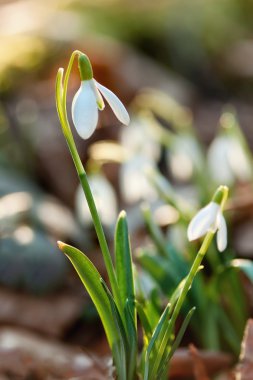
{"x":177,"y":66}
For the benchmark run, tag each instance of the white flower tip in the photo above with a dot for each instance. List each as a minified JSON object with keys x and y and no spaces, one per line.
{"x":126,"y":118}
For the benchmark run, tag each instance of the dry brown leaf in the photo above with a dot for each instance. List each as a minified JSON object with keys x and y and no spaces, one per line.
{"x":182,"y":363}
{"x":199,"y":368}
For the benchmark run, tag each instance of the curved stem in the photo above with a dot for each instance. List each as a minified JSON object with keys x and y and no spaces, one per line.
{"x":189,"y":279}
{"x":61,"y":98}
{"x":66,"y":79}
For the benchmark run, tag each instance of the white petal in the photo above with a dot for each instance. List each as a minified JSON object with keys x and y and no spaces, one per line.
{"x":84,"y":110}
{"x":116,"y":105}
{"x":203,"y":221}
{"x":222,"y":233}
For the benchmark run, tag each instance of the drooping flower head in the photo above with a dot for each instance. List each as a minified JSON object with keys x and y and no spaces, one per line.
{"x":229,"y":157}
{"x":210,"y":218}
{"x":88,"y":100}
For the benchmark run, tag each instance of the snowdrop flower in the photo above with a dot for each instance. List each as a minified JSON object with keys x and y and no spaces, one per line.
{"x":132,"y":139}
{"x":88,"y":100}
{"x":134,"y":184}
{"x":184,"y":157}
{"x":210,"y":218}
{"x":228,"y":161}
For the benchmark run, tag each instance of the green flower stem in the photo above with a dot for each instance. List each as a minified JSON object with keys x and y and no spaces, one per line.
{"x":66,"y":79}
{"x":189,"y":279}
{"x":61,"y":98}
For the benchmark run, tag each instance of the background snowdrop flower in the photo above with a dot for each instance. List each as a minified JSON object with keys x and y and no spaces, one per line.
{"x":132,"y":139}
{"x":210,"y":218}
{"x":134,"y":184}
{"x":228,"y":161}
{"x":184,"y":157}
{"x":88,"y":100}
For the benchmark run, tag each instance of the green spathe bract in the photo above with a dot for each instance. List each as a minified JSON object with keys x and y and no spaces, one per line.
{"x":116,"y":302}
{"x":85,"y":68}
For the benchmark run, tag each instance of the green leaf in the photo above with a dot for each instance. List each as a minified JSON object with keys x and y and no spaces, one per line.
{"x":154,"y":340}
{"x":120,"y":346}
{"x":91,"y":279}
{"x":163,"y":356}
{"x":144,"y":320}
{"x":181,"y":332}
{"x":132,"y":342}
{"x":123,"y":263}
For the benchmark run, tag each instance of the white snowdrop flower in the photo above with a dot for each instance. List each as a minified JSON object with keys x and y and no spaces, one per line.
{"x":134,"y":184}
{"x":227,"y":160}
{"x":105,"y":199}
{"x":88,"y":100}
{"x":210,"y":218}
{"x":133,"y":137}
{"x":184,"y":156}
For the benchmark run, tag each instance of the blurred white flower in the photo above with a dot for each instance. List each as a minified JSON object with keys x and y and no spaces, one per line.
{"x":134,"y":183}
{"x":184,"y":156}
{"x":88,"y":100}
{"x":144,"y":152}
{"x":105,"y":200}
{"x":137,"y":139}
{"x":209,"y":218}
{"x":227,"y":160}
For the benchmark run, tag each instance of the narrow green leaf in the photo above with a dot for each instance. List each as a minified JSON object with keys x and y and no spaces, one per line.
{"x":162,"y":321}
{"x":123,"y":263}
{"x":91,"y":279}
{"x":144,"y":320}
{"x":162,"y":357}
{"x":120,"y":346}
{"x":181,"y":332}
{"x":165,"y":360}
{"x":132,"y":341}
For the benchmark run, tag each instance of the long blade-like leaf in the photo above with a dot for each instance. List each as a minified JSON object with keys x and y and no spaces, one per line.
{"x":123,"y":263}
{"x":166,"y":358}
{"x":120,"y":347}
{"x":144,"y":320}
{"x":91,"y":279}
{"x":132,"y":341}
{"x":162,"y":321}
